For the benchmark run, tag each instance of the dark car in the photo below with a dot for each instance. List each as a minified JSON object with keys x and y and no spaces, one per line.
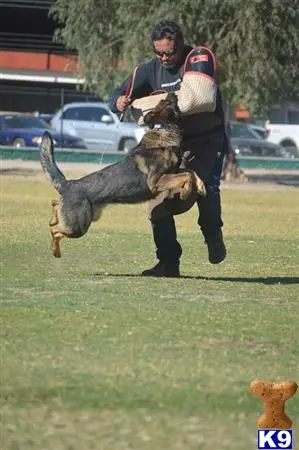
{"x":247,"y":142}
{"x":26,"y":130}
{"x":263,"y":132}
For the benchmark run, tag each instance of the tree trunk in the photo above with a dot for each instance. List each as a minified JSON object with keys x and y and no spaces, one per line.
{"x":231,"y":169}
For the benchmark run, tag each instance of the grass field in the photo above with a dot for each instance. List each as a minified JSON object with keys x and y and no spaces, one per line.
{"x":96,"y":357}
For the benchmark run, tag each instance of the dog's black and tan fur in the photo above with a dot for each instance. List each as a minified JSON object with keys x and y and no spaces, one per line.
{"x":146,"y":173}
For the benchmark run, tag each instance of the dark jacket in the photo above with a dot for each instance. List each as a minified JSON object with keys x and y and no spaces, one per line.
{"x":153,"y":76}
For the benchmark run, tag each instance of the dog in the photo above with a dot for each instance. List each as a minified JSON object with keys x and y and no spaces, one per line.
{"x":147,"y":173}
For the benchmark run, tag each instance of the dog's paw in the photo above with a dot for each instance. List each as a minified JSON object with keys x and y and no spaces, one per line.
{"x":200,"y":186}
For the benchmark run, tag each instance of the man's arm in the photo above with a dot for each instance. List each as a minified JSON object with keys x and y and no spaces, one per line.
{"x":137,"y":86}
{"x":198,"y":91}
{"x":118,"y":92}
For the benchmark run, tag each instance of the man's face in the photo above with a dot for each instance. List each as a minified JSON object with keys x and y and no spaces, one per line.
{"x":168,"y":52}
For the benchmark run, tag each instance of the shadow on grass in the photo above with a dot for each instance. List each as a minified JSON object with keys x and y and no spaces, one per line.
{"x":24,"y":172}
{"x":262,"y":280}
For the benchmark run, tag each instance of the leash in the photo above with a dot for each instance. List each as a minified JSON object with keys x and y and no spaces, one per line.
{"x":129,"y":91}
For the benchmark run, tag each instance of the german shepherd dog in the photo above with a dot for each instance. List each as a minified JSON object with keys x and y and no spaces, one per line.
{"x":146,"y":173}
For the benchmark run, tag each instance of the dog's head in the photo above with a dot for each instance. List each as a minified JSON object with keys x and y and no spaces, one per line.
{"x":165,"y":112}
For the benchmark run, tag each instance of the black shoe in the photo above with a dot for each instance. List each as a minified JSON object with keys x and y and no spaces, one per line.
{"x":163,"y":270}
{"x":216,"y":248}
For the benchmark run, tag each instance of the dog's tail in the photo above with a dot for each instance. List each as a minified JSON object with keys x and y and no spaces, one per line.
{"x":48,"y":162}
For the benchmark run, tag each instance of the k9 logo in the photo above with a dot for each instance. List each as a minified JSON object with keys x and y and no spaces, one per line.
{"x":274,"y":439}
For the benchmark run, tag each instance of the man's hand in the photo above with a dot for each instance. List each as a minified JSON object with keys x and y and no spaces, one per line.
{"x":122,"y":103}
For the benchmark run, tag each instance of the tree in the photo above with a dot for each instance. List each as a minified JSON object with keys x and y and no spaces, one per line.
{"x":256,"y":42}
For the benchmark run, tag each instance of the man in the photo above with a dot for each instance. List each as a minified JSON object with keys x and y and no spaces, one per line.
{"x":191,"y":73}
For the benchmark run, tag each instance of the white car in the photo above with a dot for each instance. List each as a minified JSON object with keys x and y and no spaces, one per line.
{"x":286,"y":135}
{"x":101,"y":129}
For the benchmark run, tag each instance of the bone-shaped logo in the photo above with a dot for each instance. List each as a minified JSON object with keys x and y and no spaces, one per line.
{"x":273,"y":397}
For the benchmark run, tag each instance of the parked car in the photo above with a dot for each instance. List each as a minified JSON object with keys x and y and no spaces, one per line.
{"x":285,"y":135}
{"x":247,"y":142}
{"x":98,"y":126}
{"x":263,"y":132}
{"x":26,"y":130}
{"x":47,"y":117}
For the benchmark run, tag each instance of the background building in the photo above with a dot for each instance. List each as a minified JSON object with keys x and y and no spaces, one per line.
{"x":35,"y":73}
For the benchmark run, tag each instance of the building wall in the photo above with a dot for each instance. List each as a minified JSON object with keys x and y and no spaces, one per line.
{"x":27,"y":47}
{"x":38,"y":61}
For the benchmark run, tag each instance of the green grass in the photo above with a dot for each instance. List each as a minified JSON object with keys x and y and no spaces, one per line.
{"x":96,"y":357}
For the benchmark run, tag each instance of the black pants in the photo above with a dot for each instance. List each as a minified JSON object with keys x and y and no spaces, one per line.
{"x":168,"y":249}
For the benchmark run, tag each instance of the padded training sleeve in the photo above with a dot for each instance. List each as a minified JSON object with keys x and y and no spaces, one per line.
{"x":198,"y":89}
{"x":146,"y":104}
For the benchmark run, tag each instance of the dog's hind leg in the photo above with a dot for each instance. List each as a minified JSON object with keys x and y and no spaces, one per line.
{"x":54,"y":218}
{"x":56,"y":234}
{"x":56,"y":237}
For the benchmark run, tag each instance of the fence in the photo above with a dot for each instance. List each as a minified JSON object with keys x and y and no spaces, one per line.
{"x":85,"y":156}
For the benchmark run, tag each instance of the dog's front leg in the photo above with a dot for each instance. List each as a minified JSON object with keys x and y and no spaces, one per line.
{"x":156,"y":201}
{"x":177,"y":183}
{"x":201,"y":189}
{"x":153,"y":182}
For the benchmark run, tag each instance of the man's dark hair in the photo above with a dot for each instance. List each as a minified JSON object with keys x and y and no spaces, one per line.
{"x":167,"y":29}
